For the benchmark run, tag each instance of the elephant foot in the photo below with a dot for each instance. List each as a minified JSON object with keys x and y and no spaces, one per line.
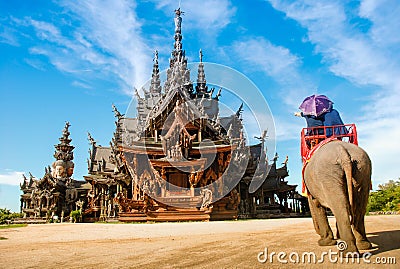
{"x":326,"y":242}
{"x":364,"y":244}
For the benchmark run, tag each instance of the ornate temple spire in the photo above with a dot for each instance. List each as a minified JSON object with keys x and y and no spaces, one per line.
{"x":118,"y":126}
{"x":155,"y":86}
{"x":91,"y":139}
{"x":117,"y":114}
{"x":63,"y":167}
{"x":64,"y":149}
{"x":178,"y":75}
{"x":178,"y":55}
{"x":201,"y":77}
{"x":178,"y":28}
{"x":262,"y":138}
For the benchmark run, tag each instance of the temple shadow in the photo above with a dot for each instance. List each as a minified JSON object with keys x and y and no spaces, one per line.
{"x":385,"y":241}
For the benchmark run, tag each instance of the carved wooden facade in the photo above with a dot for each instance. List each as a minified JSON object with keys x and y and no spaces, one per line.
{"x":176,"y":159}
{"x":56,"y":193}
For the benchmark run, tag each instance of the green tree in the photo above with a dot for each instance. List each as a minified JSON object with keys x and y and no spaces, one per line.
{"x":387,"y":198}
{"x":6,"y":214}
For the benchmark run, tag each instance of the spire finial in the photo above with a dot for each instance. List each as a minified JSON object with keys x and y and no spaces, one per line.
{"x":155,"y":57}
{"x":65,"y":130}
{"x":178,"y":20}
{"x":91,"y":140}
{"x":201,"y":76}
{"x":177,"y":53}
{"x":117,"y":114}
{"x":155,"y":86}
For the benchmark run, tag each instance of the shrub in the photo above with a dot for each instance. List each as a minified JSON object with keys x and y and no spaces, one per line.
{"x":75,"y":215}
{"x":387,"y":198}
{"x":6,"y":214}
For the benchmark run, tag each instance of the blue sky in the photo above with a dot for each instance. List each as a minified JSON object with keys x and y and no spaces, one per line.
{"x":70,"y":60}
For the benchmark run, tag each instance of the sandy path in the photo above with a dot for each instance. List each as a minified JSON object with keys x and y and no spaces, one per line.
{"x":230,"y":244}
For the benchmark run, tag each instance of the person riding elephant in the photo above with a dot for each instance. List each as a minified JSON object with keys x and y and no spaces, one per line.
{"x":332,"y":118}
{"x":338,"y":176}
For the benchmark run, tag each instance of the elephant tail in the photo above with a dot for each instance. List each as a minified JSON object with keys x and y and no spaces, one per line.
{"x":347,"y":166}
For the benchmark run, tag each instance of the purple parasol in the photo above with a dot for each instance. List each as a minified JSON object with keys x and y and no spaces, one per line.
{"x":316,"y":105}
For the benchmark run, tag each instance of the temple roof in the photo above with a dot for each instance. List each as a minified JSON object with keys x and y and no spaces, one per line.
{"x":64,"y":148}
{"x":101,"y":159}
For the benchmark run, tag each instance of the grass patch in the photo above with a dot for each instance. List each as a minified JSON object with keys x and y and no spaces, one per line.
{"x":12,"y":226}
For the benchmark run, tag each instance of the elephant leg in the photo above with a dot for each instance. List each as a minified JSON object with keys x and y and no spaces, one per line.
{"x":340,"y":209}
{"x":359,"y":226}
{"x":359,"y":233}
{"x":337,"y":231}
{"x":320,"y":222}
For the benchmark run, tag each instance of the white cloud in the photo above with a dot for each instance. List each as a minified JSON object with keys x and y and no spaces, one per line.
{"x":11,"y":178}
{"x":105,"y":39}
{"x":94,"y":39}
{"x":36,"y":63}
{"x":46,"y":30}
{"x":8,"y":36}
{"x":278,"y":63}
{"x":81,"y":84}
{"x":275,"y":61}
{"x":209,"y":16}
{"x":348,"y":53}
{"x":114,"y":28}
{"x":364,"y":58}
{"x":385,"y":17}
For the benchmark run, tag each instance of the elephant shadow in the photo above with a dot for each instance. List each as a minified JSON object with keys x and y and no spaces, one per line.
{"x":385,"y":241}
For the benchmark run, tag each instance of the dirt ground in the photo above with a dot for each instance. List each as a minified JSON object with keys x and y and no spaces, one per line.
{"x":229,"y":244}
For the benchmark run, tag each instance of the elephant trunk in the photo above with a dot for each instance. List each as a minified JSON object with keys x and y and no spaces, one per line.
{"x":347,"y":166}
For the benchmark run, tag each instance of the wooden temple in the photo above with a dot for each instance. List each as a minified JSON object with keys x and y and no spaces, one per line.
{"x":56,"y":193}
{"x":177,"y":159}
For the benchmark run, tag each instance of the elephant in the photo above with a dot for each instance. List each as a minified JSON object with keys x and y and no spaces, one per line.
{"x":338,"y":177}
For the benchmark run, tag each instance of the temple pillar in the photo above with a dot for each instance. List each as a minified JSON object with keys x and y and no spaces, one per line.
{"x":262,"y":197}
{"x":134,"y":190}
{"x":101,"y":209}
{"x":102,"y":205}
{"x":220,"y":183}
{"x":164,"y":185}
{"x":163,"y":191}
{"x":191,"y":190}
{"x":253,"y":203}
{"x":199,"y":134}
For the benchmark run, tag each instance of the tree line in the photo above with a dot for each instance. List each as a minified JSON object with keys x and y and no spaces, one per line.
{"x":386,"y":198}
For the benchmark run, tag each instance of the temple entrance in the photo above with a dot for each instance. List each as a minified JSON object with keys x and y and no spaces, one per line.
{"x":177,"y":181}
